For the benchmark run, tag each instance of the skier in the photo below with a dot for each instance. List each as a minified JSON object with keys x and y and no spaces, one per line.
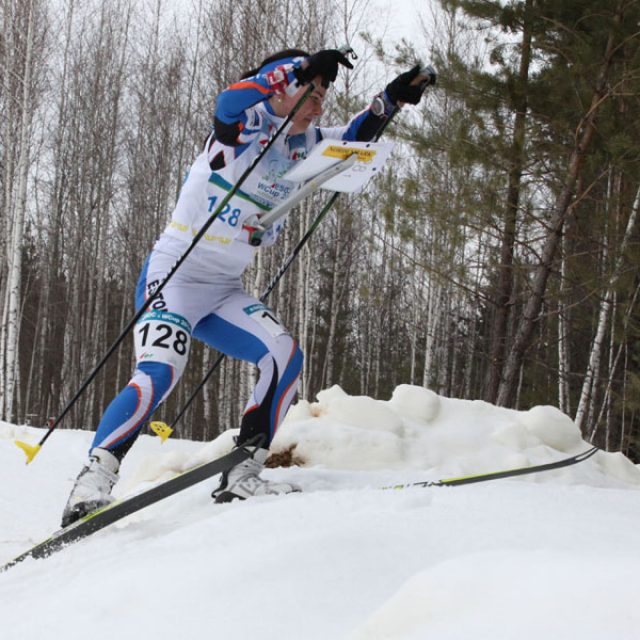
{"x":205,"y":298}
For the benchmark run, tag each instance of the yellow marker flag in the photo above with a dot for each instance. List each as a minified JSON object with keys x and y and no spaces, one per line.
{"x":161,"y":429}
{"x":30,"y":450}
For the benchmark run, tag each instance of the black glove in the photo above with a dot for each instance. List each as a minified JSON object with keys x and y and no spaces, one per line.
{"x":324,"y":63}
{"x":401,"y":89}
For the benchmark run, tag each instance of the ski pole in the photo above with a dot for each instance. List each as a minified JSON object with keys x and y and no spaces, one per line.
{"x":32,"y":450}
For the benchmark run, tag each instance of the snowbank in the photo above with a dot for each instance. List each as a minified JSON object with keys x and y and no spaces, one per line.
{"x":418,"y":430}
{"x":504,"y":594}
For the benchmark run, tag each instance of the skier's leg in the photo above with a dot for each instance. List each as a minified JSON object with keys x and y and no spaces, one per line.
{"x":130,"y":409}
{"x":118,"y":429}
{"x":162,"y":339}
{"x":246,"y":329}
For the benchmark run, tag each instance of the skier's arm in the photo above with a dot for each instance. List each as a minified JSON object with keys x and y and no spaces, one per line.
{"x":362,"y":127}
{"x":407,"y":87}
{"x":235,"y":123}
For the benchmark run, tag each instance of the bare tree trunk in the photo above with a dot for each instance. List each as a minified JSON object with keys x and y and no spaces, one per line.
{"x":606,"y":404}
{"x":593,"y":368}
{"x":433,"y":317}
{"x":505,"y":275}
{"x":7,"y":180}
{"x":563,"y":339}
{"x":603,"y":319}
{"x":327,"y":373}
{"x":14,"y":279}
{"x":416,"y":309}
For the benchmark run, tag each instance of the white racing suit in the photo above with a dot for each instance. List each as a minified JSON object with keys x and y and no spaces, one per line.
{"x":204,"y":298}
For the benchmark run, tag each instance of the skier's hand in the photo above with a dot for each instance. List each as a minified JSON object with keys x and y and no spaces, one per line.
{"x":325,"y":64}
{"x":409,"y":86}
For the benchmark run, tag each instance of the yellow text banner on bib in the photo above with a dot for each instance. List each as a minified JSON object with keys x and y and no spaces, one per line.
{"x":342,"y":153}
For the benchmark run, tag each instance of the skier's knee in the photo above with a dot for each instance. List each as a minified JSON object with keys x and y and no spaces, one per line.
{"x":287,"y":353}
{"x":297,"y":359}
{"x":161,"y":376}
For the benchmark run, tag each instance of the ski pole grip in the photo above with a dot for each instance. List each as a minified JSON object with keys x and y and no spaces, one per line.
{"x":347,"y":50}
{"x":427,"y":76}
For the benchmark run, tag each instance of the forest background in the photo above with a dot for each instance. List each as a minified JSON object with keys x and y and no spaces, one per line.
{"x":496,"y":258}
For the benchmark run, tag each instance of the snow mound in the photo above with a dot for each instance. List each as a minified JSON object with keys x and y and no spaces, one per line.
{"x":158,"y":467}
{"x":552,"y":427}
{"x":617,"y":465}
{"x":13,"y":432}
{"x":416,"y":429}
{"x":415,"y":403}
{"x":501,"y":593}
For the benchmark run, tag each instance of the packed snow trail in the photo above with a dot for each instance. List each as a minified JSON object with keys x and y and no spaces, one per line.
{"x":553,"y":555}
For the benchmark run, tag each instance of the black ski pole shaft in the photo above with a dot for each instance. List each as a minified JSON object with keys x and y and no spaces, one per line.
{"x":30,"y":450}
{"x":274,"y":282}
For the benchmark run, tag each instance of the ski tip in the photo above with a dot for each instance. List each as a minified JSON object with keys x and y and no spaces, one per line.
{"x":30,"y":450}
{"x":161,"y":429}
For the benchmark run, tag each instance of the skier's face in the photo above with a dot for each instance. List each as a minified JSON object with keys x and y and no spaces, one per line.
{"x":309,"y":111}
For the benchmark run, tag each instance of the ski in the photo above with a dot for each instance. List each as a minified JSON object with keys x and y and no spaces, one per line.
{"x":119,"y":509}
{"x":496,"y":475}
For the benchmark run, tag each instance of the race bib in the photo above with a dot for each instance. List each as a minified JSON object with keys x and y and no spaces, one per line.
{"x":161,"y":336}
{"x":266,"y":318}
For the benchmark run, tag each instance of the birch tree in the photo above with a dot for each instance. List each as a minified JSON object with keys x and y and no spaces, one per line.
{"x":23,"y":38}
{"x":597,"y":348}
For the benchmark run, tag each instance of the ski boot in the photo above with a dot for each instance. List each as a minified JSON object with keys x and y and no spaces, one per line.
{"x":92,"y":489}
{"x":243,"y":481}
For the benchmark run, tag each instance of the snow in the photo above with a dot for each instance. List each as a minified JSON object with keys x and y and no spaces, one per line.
{"x":551,"y":555}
